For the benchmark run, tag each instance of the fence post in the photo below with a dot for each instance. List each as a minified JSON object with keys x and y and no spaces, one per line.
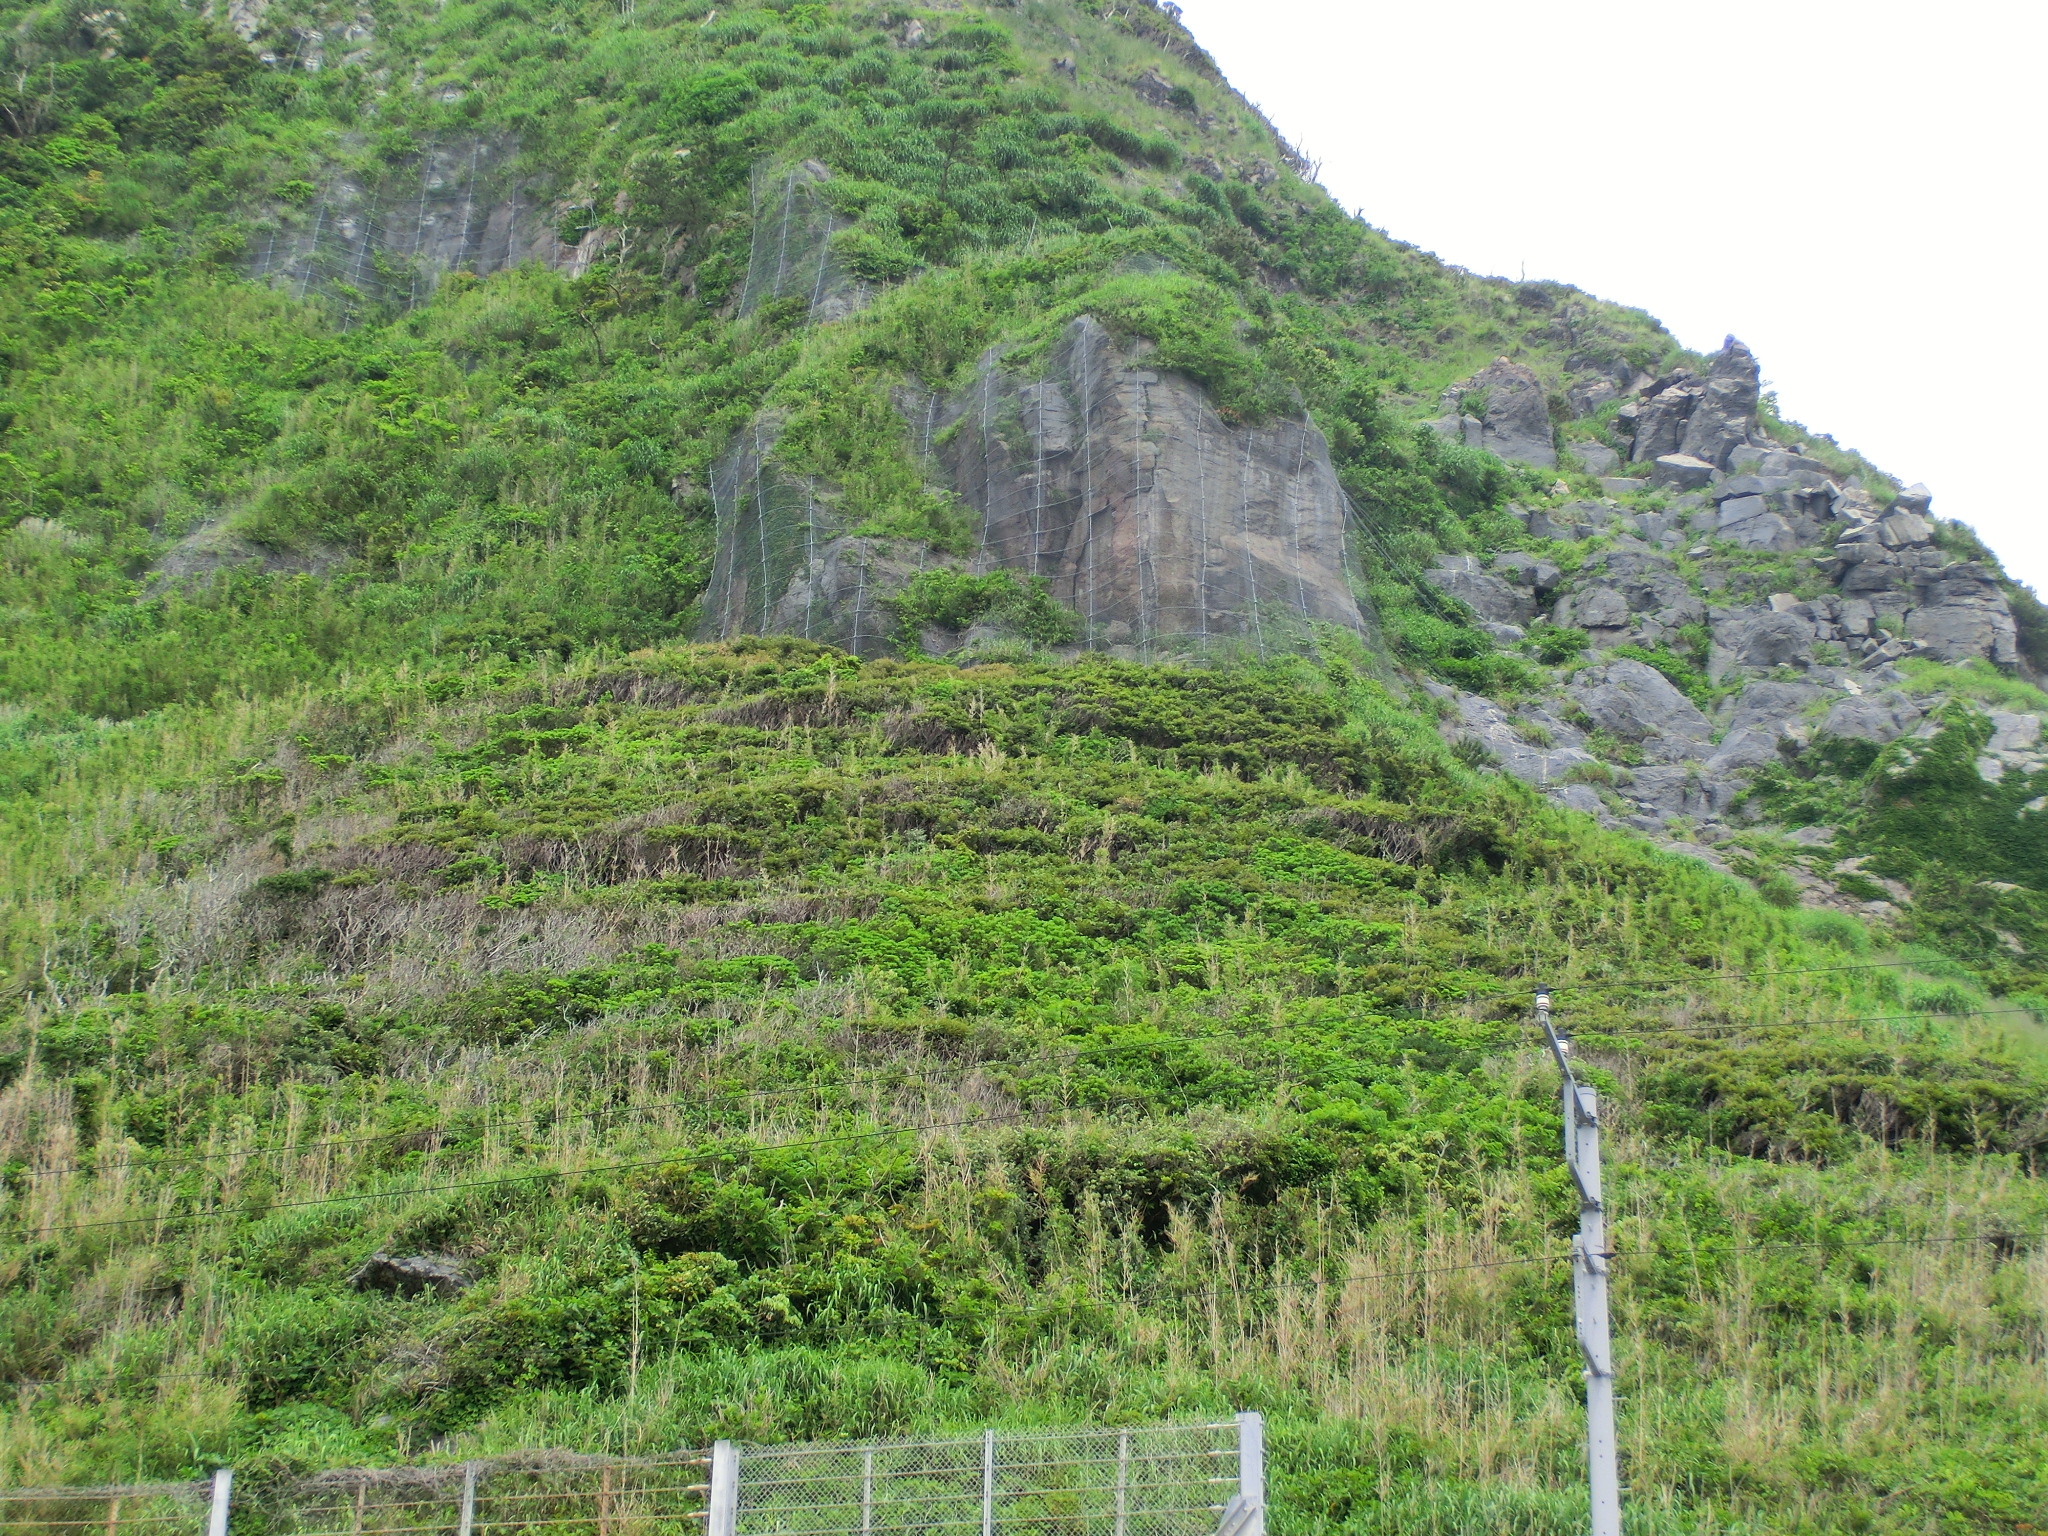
{"x":468,"y":1526}
{"x":725,"y":1490}
{"x":1123,"y":1481}
{"x":1589,"y":1280}
{"x":867,"y":1494}
{"x":988,"y":1482}
{"x":1251,"y":1471}
{"x":217,"y":1517}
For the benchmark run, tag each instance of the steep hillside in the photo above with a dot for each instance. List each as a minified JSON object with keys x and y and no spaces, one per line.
{"x":809,"y":719}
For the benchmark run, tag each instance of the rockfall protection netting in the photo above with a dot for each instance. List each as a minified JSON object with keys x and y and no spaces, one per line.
{"x":791,"y":254}
{"x":388,"y":236}
{"x":785,"y":565}
{"x":1166,"y":528}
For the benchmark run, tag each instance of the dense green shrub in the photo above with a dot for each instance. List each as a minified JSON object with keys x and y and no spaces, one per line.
{"x":953,"y":601}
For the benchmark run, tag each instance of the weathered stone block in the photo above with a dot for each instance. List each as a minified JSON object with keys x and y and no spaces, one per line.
{"x":1683,"y":471}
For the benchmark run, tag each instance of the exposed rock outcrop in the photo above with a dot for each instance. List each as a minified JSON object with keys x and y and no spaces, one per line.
{"x":1512,"y":417}
{"x":463,"y":204}
{"x":410,"y":1275}
{"x":1724,"y":415}
{"x":1493,"y":599}
{"x":1959,"y":613}
{"x":1702,"y":419}
{"x":1165,"y":528}
{"x":1635,"y":703}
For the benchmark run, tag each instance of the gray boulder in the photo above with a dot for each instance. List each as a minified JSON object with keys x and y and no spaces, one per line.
{"x":409,"y":1276}
{"x":1855,"y":618}
{"x":1725,"y":413}
{"x":1877,"y":717}
{"x":2014,"y":733}
{"x":1740,"y":509}
{"x":1651,"y":585}
{"x":1637,"y":703}
{"x":1487,"y":596}
{"x":1768,"y":702}
{"x":1468,"y":430}
{"x":1768,"y":640}
{"x":1664,"y":792}
{"x":1960,"y":613}
{"x":1525,"y":570}
{"x":1660,"y":420}
{"x":1795,"y":467}
{"x":1516,"y":423}
{"x":1682,"y":472}
{"x":1579,"y":797}
{"x":1867,"y":568}
{"x":1751,"y":747}
{"x":1904,"y":529}
{"x":1596,"y":458}
{"x":1852,"y":505}
{"x":1916,"y":499}
{"x":1589,"y":395}
{"x":1750,"y":522}
{"x":1747,"y":485}
{"x":1767,"y":713}
{"x":1601,"y":608}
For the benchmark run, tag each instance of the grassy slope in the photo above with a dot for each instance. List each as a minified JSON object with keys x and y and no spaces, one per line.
{"x":452,"y":884}
{"x":1226,"y":976}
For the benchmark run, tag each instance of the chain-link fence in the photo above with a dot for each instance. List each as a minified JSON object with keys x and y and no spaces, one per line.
{"x":131,"y":1509}
{"x":1176,"y":1480}
{"x":1161,"y":1480}
{"x":576,"y":1495}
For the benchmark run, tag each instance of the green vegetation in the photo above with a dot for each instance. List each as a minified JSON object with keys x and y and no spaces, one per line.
{"x":1920,"y":811}
{"x":789,"y":1045}
{"x":954,"y":602}
{"x":215,"y":490}
{"x":1202,"y":995}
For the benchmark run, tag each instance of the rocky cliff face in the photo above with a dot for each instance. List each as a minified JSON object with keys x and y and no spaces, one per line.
{"x":1797,"y":590}
{"x":1164,"y":528}
{"x":459,"y":204}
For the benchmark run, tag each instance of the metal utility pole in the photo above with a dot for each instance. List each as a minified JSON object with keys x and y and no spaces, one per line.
{"x":1590,"y":1254}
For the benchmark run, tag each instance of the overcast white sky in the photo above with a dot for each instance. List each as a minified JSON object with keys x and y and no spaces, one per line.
{"x":1854,"y":187}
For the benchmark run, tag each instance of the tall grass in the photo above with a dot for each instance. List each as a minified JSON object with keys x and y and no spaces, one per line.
{"x":1221,"y":1167}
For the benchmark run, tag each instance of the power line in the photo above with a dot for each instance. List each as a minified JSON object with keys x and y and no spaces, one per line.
{"x":1843,"y":1244}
